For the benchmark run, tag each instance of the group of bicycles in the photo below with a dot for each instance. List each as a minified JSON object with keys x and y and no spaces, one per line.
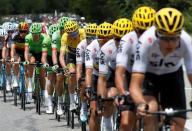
{"x":19,"y":94}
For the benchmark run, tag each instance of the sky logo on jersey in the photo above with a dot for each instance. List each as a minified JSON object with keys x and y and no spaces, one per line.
{"x":78,"y":52}
{"x":87,"y":52}
{"x":137,"y":53}
{"x":102,"y":60}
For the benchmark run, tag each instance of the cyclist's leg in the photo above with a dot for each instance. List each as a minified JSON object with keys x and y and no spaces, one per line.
{"x":94,"y":118}
{"x":29,"y":76}
{"x":173,"y":96}
{"x":50,"y":81}
{"x":127,"y":110}
{"x":16,"y":71}
{"x":71,"y":60}
{"x":59,"y":92}
{"x":8,"y":70}
{"x":150,"y":91}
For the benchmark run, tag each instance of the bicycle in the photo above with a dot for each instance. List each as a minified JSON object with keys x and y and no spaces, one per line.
{"x":116,"y":116}
{"x":20,"y":90}
{"x":168,"y":113}
{"x":3,"y":79}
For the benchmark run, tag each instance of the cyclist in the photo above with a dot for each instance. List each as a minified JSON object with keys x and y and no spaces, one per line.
{"x":82,"y":22}
{"x":104,"y":33}
{"x":9,"y":41}
{"x":50,"y":79}
{"x":69,"y":41}
{"x":36,"y":49}
{"x":143,"y":18}
{"x":17,"y":49}
{"x":91,"y":30}
{"x":3,"y":33}
{"x":56,"y":44}
{"x":158,"y":59}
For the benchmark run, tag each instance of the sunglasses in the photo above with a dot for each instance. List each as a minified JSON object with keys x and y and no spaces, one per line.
{"x":167,"y":38}
{"x":10,"y":31}
{"x":73,"y":34}
{"x":116,"y":39}
{"x":23,"y":31}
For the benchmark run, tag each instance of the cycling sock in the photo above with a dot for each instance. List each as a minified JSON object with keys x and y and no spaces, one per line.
{"x":72,"y":98}
{"x":30,"y":84}
{"x":84,"y":106}
{"x":49,"y":100}
{"x":60,"y":99}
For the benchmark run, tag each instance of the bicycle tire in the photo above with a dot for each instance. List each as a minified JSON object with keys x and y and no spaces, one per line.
{"x":15,"y":96}
{"x":83,"y":126}
{"x":4,"y":94}
{"x":72,"y":119}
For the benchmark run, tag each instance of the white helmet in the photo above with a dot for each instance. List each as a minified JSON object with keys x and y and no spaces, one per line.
{"x":8,"y":26}
{"x":82,"y":18}
{"x":3,"y":32}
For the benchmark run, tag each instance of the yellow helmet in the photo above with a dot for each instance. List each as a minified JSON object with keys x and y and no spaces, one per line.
{"x":121,"y":27}
{"x":105,"y":29}
{"x":91,"y":29}
{"x":143,"y":18}
{"x":169,"y":21}
{"x":71,"y":26}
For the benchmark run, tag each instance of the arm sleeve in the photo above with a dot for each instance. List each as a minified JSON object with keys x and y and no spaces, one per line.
{"x":88,"y":58}
{"x":122,"y":54}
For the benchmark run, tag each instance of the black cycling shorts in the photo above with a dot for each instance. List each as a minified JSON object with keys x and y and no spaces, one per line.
{"x":94,"y":87}
{"x":130,"y":106}
{"x":70,"y":57}
{"x":20,"y":53}
{"x":111,"y":78}
{"x":167,"y":88}
{"x":36,"y":55}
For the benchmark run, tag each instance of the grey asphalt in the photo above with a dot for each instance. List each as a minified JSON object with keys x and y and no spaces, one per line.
{"x":13,"y":118}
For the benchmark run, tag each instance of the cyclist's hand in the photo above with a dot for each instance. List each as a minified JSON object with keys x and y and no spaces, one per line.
{"x":55,"y":67}
{"x":26,"y":63}
{"x":45,"y":65}
{"x":3,"y":60}
{"x":66,"y":71}
{"x":71,"y":70}
{"x":12,"y":60}
{"x":142,"y":108}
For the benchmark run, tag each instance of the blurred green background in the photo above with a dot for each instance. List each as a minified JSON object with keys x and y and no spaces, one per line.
{"x":94,"y":10}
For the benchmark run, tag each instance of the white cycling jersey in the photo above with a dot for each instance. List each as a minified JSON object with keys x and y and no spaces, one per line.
{"x":80,"y":52}
{"x":148,"y":57}
{"x":126,"y":50}
{"x":107,"y":58}
{"x":92,"y":56}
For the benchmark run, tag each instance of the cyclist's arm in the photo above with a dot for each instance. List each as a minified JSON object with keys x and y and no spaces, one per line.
{"x":62,"y":57}
{"x":4,"y":51}
{"x":79,"y":61}
{"x":12,"y":50}
{"x":89,"y":67}
{"x":88,"y":78}
{"x":135,"y":87}
{"x":44,"y":57}
{"x":26,"y":52}
{"x":54,"y":49}
{"x":120,"y":79}
{"x":103,"y":71}
{"x":78,"y":71}
{"x":122,"y":63}
{"x":54,"y":55}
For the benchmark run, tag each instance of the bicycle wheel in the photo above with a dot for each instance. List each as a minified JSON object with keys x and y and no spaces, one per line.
{"x":15,"y":96}
{"x":72,"y":119}
{"x":83,"y":126}
{"x":4,"y":93}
